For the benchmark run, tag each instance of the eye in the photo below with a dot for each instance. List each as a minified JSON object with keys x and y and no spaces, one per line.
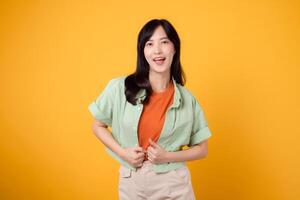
{"x":148,"y":44}
{"x":165,"y":41}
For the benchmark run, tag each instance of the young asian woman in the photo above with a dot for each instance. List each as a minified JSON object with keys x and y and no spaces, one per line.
{"x":153,"y":116}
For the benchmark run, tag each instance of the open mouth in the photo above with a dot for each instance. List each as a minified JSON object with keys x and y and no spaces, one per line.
{"x":159,"y":60}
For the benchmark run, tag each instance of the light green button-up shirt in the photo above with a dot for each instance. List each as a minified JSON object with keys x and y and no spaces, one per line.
{"x":185,"y":122}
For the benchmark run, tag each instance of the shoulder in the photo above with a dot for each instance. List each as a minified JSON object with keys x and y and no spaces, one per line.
{"x":117,"y":80}
{"x":116,"y":83}
{"x":185,"y":92}
{"x":188,"y":96}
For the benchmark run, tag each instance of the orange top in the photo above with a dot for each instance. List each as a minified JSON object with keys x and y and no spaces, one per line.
{"x":153,"y":116}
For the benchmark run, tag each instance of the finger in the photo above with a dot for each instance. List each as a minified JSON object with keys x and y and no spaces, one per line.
{"x":140,"y":160}
{"x":138,"y":149}
{"x":138,"y":164}
{"x":151,"y":155}
{"x":140,"y":155}
{"x":152,"y":143}
{"x":150,"y":159}
{"x":141,"y":164}
{"x":149,"y":147}
{"x":151,"y":150}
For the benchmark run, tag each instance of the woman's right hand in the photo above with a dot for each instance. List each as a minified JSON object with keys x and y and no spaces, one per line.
{"x":134,"y":156}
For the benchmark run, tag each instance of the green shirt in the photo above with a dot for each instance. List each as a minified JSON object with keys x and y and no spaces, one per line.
{"x":185,"y":122}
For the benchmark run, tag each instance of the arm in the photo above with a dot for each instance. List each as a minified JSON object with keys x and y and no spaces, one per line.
{"x":133,"y":155}
{"x":157,"y":154}
{"x":102,"y":133}
{"x":196,"y":152}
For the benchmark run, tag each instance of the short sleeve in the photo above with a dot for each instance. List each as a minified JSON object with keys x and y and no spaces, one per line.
{"x":200,"y":129}
{"x":102,"y":107}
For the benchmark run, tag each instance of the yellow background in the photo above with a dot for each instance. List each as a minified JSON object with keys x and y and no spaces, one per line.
{"x":242,"y":63}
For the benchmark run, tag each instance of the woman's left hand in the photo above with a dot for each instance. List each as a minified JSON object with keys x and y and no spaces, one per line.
{"x":156,"y":154}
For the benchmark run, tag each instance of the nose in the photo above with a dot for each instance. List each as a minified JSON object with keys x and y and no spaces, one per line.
{"x":157,"y":48}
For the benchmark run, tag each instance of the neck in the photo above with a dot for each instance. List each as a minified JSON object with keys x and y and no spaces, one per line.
{"x":159,"y":82}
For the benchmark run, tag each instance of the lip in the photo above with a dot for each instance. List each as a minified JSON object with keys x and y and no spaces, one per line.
{"x":158,"y":58}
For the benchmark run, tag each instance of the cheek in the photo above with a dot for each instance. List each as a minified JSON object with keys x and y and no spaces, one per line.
{"x":170,"y":50}
{"x":171,"y":55}
{"x":147,"y":55}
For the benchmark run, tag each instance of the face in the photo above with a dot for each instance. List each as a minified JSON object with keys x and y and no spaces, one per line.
{"x":159,"y":52}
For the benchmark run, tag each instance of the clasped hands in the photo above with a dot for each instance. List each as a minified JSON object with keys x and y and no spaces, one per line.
{"x":135,"y":155}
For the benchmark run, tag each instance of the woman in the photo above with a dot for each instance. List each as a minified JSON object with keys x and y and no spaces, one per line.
{"x":152,"y":116}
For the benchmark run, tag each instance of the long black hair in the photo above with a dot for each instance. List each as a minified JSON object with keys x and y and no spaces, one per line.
{"x":140,"y":78}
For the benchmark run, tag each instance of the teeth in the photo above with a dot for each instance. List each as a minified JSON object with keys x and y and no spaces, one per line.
{"x":155,"y":59}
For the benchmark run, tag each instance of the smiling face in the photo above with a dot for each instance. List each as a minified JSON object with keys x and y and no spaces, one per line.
{"x":159,"y":52}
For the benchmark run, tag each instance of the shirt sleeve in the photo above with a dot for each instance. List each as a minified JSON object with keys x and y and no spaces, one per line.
{"x":102,"y":107}
{"x":200,"y":129}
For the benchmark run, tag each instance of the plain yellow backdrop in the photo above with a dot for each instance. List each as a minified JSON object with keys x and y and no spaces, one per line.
{"x":242,"y":63}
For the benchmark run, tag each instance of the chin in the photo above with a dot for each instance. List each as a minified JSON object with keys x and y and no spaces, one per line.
{"x":160,"y":69}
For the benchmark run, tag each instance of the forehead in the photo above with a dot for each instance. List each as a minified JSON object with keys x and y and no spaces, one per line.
{"x":158,"y":33}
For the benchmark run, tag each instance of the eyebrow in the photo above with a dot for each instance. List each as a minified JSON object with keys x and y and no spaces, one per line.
{"x":161,"y":38}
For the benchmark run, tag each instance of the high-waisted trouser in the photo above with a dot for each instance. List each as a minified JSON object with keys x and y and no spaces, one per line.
{"x":145,"y":184}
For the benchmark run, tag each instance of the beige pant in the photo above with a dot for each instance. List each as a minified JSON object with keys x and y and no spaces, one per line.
{"x":145,"y":184}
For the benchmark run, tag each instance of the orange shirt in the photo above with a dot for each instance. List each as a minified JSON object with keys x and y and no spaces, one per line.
{"x":153,"y":116}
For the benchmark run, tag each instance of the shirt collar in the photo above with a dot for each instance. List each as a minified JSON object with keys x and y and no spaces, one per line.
{"x":141,"y":95}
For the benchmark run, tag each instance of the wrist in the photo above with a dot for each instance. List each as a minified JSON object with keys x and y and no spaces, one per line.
{"x":169,"y":156}
{"x":121,"y":152}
